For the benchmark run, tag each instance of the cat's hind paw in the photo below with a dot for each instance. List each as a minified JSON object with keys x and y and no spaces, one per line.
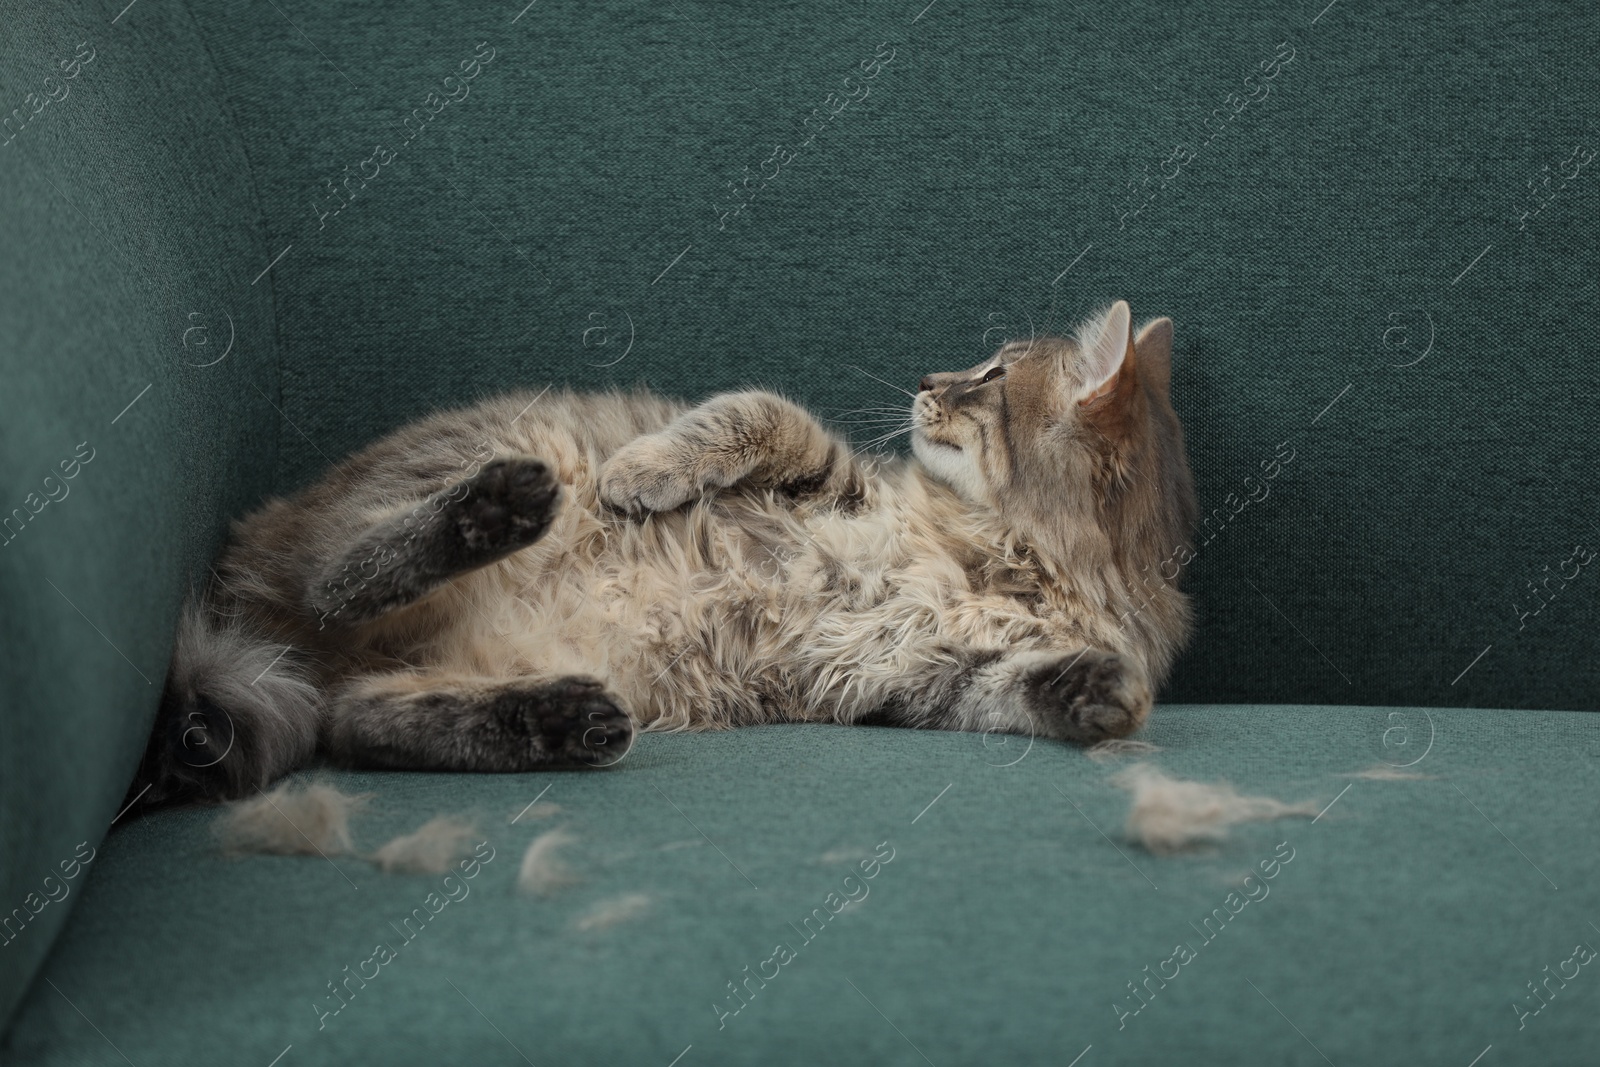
{"x":505,"y":506}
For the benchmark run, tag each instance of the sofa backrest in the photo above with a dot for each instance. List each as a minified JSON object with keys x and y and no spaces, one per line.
{"x":1346,"y":211}
{"x":129,"y":427}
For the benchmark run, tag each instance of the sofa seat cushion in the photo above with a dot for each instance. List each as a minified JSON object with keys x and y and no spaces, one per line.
{"x":1402,"y":925}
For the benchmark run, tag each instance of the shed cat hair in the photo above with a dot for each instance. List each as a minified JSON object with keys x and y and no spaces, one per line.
{"x":1173,"y":814}
{"x":528,"y":581}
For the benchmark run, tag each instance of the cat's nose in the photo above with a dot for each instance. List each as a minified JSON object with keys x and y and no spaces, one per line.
{"x":926,"y":385}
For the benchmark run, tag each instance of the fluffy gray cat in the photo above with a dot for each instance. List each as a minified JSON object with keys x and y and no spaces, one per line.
{"x":529,"y":581}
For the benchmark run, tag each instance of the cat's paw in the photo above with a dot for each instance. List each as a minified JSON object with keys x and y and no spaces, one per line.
{"x":1089,"y":696}
{"x":507,"y":505}
{"x":571,"y":720}
{"x":640,"y":477}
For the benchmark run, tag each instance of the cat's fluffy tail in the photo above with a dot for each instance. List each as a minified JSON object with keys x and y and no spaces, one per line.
{"x":238,"y":711}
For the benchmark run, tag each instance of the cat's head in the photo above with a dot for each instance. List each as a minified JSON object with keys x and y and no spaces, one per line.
{"x":1075,"y":437}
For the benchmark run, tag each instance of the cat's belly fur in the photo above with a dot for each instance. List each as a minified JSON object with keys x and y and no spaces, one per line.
{"x":734,"y":610}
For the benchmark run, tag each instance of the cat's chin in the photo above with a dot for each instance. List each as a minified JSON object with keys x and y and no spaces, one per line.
{"x":948,"y":463}
{"x":921,"y":438}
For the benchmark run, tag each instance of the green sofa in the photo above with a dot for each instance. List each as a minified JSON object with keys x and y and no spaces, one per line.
{"x":240,"y":240}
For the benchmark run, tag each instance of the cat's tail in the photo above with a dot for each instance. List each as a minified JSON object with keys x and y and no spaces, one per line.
{"x":238,"y":711}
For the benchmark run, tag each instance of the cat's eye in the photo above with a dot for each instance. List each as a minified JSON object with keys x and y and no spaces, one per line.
{"x":992,"y":374}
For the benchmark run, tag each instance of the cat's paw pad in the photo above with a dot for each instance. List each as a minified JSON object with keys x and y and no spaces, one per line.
{"x":508,"y":504}
{"x":1090,"y":696}
{"x":639,"y":479}
{"x":575,"y":720}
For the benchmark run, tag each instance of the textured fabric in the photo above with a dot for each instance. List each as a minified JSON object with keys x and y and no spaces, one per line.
{"x":568,"y":205}
{"x":126,"y":248}
{"x":1004,"y":929}
{"x":1385,"y":264}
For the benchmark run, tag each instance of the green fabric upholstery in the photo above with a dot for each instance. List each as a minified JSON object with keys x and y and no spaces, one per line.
{"x":127,"y":247}
{"x":543,"y":210}
{"x":1365,"y":267}
{"x":1002,"y":931}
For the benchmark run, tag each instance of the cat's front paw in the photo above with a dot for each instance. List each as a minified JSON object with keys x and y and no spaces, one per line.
{"x":1089,"y":696}
{"x":571,"y":720}
{"x":640,"y":478}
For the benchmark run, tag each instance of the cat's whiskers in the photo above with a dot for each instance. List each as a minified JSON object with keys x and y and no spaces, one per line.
{"x":871,"y":410}
{"x":887,"y":422}
{"x":898,"y":420}
{"x":898,"y":416}
{"x":875,"y":378}
{"x":886,"y":438}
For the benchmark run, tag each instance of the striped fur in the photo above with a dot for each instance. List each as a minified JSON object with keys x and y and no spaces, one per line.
{"x":527,"y":581}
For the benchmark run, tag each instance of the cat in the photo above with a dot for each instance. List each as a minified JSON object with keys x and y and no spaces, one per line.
{"x":528,"y":582}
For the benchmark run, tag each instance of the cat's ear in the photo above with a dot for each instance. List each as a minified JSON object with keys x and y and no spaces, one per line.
{"x":1154,"y":348}
{"x":1107,"y":355}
